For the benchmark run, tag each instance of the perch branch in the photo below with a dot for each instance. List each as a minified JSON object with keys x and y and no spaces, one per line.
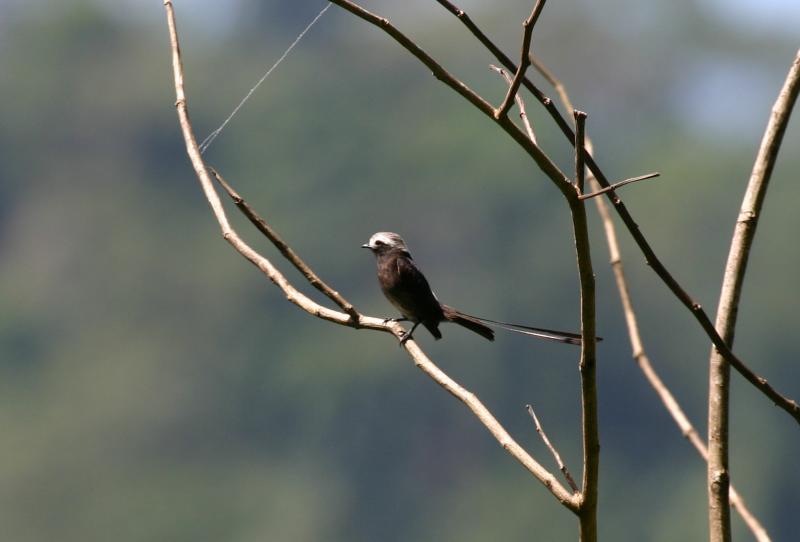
{"x":639,"y":354}
{"x":730,"y":295}
{"x":760,"y":383}
{"x":293,"y":295}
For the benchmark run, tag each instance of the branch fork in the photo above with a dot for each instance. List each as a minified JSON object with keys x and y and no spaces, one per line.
{"x":524,"y":62}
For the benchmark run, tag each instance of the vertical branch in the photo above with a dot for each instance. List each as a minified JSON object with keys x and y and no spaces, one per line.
{"x":719,"y":368}
{"x":637,"y":346}
{"x":591,"y":439}
{"x":580,"y":126}
{"x":524,"y":62}
{"x":183,"y":116}
{"x":590,"y":425}
{"x":643,"y":361}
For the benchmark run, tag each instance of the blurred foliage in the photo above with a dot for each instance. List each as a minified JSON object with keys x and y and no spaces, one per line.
{"x":153,"y":386}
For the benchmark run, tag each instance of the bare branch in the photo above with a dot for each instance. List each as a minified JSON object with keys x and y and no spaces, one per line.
{"x":620,"y":184}
{"x":639,"y":355}
{"x":293,"y":295}
{"x":524,"y":62}
{"x":523,"y":114}
{"x":587,"y":515}
{"x":561,"y":466}
{"x":743,"y":235}
{"x":587,"y":366}
{"x":789,"y":405}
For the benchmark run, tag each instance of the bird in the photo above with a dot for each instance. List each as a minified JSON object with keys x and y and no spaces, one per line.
{"x":406,"y":287}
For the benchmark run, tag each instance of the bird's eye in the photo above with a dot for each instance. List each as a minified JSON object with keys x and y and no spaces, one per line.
{"x":379,"y":243}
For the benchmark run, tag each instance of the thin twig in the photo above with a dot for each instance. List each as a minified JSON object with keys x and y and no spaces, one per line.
{"x":293,"y":295}
{"x":727,"y":310}
{"x":524,"y":62}
{"x":285,"y":249}
{"x":523,"y":114}
{"x":580,"y":151}
{"x":561,"y":466}
{"x":639,"y":354}
{"x":620,"y":184}
{"x":760,"y":383}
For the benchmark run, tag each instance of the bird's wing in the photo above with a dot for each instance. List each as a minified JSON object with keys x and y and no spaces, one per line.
{"x":415,"y":294}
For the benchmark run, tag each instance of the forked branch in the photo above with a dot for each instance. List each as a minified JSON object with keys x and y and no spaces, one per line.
{"x":760,"y":383}
{"x":524,"y":61}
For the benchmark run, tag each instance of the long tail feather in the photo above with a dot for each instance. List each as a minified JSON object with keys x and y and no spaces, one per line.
{"x":467,"y":321}
{"x":542,"y":333}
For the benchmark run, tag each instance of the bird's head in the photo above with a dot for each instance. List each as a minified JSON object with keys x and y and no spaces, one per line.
{"x":386,"y":241}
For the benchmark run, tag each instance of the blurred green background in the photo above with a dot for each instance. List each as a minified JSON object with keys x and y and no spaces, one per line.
{"x":154,"y":386}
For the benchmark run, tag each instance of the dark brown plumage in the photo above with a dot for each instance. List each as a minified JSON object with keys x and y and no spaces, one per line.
{"x":408,"y":290}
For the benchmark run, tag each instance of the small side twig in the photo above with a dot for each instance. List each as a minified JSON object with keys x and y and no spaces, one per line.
{"x":527,"y":33}
{"x":619,"y":184}
{"x":285,"y":249}
{"x":561,"y":466}
{"x":523,"y":114}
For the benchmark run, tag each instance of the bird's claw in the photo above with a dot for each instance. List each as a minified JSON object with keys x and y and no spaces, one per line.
{"x":404,"y":335}
{"x":404,"y":338}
